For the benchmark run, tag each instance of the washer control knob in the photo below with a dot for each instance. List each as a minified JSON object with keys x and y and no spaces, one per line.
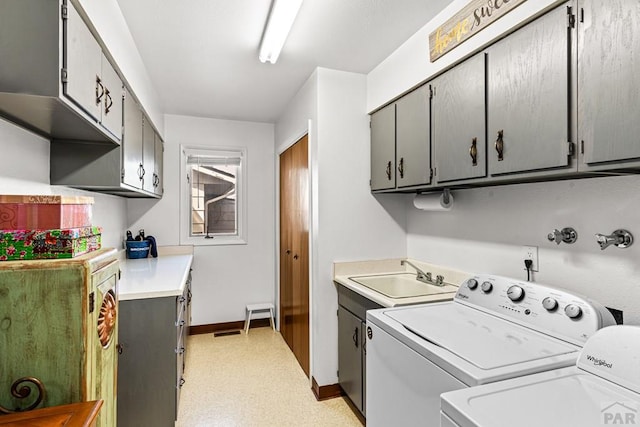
{"x":515,"y":293}
{"x":573,"y":311}
{"x":486,"y":287}
{"x":472,"y":284}
{"x":549,"y":303}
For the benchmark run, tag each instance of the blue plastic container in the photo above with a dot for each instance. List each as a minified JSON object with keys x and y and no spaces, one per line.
{"x":137,"y":249}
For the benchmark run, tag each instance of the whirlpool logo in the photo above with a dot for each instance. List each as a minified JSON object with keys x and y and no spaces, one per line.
{"x":599,"y":362}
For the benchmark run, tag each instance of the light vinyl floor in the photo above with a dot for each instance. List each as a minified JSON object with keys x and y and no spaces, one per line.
{"x":252,"y":380}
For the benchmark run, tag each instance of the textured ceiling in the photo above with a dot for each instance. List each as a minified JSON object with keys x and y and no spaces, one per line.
{"x":202,"y":55}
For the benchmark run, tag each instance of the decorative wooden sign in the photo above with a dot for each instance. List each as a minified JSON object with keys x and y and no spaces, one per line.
{"x":472,"y":19}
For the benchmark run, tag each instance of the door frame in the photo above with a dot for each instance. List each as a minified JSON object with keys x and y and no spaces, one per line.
{"x":313,"y":226}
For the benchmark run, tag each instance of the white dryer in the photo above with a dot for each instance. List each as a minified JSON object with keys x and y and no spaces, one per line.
{"x":496,"y":328}
{"x":602,"y":389}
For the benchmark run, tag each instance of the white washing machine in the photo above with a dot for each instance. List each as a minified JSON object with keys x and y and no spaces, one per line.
{"x":602,"y":389}
{"x":496,"y":328}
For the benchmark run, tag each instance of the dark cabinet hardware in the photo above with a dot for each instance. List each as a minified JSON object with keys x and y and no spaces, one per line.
{"x":500,"y":145}
{"x":473,"y":151}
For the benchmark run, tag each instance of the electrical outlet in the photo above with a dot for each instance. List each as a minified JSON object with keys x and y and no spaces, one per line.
{"x":530,"y":252}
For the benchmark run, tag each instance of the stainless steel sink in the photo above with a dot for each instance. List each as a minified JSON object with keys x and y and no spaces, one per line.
{"x":401,"y":285}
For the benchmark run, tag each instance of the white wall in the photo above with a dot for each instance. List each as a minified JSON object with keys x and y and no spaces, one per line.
{"x":25,"y":170}
{"x":225,"y":278}
{"x":487,"y":227}
{"x":107,"y":18}
{"x":348,"y":223}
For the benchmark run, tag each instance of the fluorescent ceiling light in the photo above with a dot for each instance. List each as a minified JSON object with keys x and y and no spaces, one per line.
{"x":283,"y":13}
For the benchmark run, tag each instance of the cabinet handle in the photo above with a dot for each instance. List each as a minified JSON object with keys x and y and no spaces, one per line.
{"x":140,"y":171}
{"x":389,"y":170}
{"x":401,"y":167}
{"x":295,"y":256}
{"x":120,"y":348}
{"x":288,"y":251}
{"x":99,"y":90}
{"x":500,"y":145}
{"x":182,"y":381}
{"x":108,"y":102}
{"x":180,"y":350}
{"x":355,"y":337}
{"x":473,"y":151}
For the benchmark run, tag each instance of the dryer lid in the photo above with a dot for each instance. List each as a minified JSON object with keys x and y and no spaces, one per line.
{"x":483,"y":340}
{"x":557,"y":398}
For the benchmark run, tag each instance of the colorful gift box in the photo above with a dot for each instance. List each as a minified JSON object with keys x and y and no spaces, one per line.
{"x":51,"y":212}
{"x":46,"y":244}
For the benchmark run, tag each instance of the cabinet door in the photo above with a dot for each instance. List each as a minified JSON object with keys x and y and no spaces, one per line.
{"x":350,"y":356}
{"x":132,"y":142}
{"x":609,"y":81}
{"x":83,"y":62}
{"x":383,"y":148}
{"x":528,"y":93}
{"x":112,"y":99}
{"x":159,"y":162}
{"x":413,"y":146}
{"x":458,"y":108}
{"x":148,"y":154}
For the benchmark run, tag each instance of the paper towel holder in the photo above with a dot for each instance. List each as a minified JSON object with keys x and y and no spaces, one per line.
{"x":445,"y":196}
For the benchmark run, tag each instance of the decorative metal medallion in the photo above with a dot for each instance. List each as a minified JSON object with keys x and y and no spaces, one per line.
{"x":107,"y":319}
{"x":24,"y":391}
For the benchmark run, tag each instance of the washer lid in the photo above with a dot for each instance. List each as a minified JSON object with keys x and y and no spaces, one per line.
{"x":558,"y":398}
{"x":484,"y":341}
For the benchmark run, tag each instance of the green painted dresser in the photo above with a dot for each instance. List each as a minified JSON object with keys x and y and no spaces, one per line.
{"x":58,"y":324}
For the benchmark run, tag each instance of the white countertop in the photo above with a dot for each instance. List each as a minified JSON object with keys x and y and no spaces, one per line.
{"x":154,"y":277}
{"x":345,"y":270}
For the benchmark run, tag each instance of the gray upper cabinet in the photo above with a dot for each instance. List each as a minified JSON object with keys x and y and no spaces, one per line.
{"x":458,"y":126}
{"x":88,"y":77}
{"x":111,"y":117}
{"x":528,"y":98}
{"x":413,"y":151}
{"x":54,"y":78}
{"x":609,"y":84}
{"x":159,"y":166}
{"x":383,"y":148}
{"x":148,"y":155}
{"x":132,"y":143}
{"x":82,"y":65}
{"x":400,"y":145}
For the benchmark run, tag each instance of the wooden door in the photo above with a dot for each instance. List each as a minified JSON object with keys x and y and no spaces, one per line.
{"x":294,"y":246}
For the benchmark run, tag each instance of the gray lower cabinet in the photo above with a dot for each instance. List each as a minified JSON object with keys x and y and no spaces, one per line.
{"x":528,"y":97}
{"x":609,"y":84}
{"x":400,"y":143}
{"x":352,"y":308}
{"x":459,"y":122}
{"x":152,"y":345}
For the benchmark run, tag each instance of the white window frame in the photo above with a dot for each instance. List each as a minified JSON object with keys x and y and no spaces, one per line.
{"x":240,"y":238}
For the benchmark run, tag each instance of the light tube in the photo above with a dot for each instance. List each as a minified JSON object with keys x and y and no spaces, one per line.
{"x":280,"y":21}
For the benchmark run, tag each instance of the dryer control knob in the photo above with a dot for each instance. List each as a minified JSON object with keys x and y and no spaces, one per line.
{"x":515,"y":293}
{"x":573,"y":311}
{"x":472,"y":283}
{"x":486,"y":287}
{"x":549,"y":303}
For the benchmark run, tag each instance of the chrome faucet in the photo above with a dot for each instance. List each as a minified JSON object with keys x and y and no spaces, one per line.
{"x":619,"y":238}
{"x":422,"y":276}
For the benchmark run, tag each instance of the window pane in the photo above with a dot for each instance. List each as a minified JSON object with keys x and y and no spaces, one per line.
{"x":213,"y":195}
